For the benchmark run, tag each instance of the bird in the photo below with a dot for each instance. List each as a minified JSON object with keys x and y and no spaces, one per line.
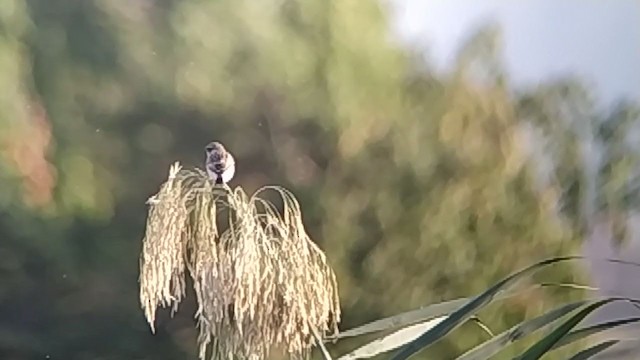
{"x":219,"y":163}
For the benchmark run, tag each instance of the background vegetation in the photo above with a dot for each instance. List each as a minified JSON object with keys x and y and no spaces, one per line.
{"x":420,"y":186}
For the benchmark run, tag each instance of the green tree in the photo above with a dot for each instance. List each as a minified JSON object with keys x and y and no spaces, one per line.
{"x":420,"y":186}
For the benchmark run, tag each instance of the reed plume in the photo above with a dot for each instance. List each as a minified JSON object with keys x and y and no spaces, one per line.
{"x":260,"y":282}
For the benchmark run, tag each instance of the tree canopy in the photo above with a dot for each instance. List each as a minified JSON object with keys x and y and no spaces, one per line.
{"x":420,"y":186}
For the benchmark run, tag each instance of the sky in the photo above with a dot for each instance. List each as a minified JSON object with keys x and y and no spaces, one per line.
{"x":597,"y":40}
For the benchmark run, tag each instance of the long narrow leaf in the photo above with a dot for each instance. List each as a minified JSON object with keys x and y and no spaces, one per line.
{"x":593,"y":350}
{"x":499,"y":342}
{"x":625,"y":349}
{"x":471,"y":308}
{"x":391,"y":341}
{"x":404,"y":319}
{"x":582,"y":333}
{"x":429,"y":312}
{"x":545,"y":344}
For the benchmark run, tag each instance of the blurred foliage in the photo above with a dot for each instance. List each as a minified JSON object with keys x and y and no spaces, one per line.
{"x":420,"y":186}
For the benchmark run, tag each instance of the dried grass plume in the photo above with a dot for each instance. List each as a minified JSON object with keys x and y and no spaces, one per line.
{"x":260,"y":282}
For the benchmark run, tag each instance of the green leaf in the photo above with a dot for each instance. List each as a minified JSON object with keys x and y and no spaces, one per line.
{"x":625,"y":349}
{"x":545,"y":344}
{"x":592,"y":330}
{"x":429,"y":312}
{"x":593,"y":350}
{"x":404,"y":319}
{"x":499,"y":342}
{"x":459,"y":316}
{"x":391,"y":341}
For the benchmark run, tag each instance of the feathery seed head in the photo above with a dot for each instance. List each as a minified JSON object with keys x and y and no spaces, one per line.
{"x":260,"y":282}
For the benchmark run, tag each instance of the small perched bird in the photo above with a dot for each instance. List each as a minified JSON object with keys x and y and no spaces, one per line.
{"x":220,"y":164}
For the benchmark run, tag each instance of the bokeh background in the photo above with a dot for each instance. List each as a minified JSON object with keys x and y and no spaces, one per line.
{"x":434,"y":149}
